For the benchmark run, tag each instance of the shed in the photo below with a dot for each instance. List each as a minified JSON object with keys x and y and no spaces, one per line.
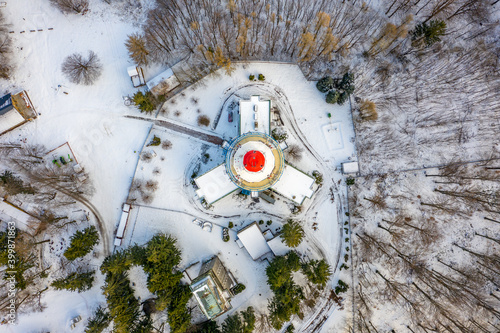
{"x":253,"y":240}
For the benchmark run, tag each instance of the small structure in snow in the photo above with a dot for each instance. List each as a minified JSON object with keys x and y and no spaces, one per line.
{"x":120,"y":232}
{"x":212,"y":288}
{"x":163,"y":83}
{"x":253,"y":240}
{"x":15,"y":110}
{"x":350,"y":167}
{"x":136,"y":76}
{"x":255,"y":115}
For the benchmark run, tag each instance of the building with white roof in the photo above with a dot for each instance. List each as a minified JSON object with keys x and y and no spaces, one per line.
{"x":163,"y":82}
{"x":254,"y":162}
{"x":215,"y":184}
{"x":255,"y":116}
{"x":294,"y":185}
{"x":350,"y":167}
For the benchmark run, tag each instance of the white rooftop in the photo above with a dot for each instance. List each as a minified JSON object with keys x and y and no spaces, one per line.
{"x":163,"y":82}
{"x":277,"y":246}
{"x":214,"y":184}
{"x":254,"y":242}
{"x":294,"y":185}
{"x":350,"y":167}
{"x":255,"y":111}
{"x":10,"y":119}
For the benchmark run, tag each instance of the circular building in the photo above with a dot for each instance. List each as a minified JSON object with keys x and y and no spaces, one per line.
{"x":254,"y":161}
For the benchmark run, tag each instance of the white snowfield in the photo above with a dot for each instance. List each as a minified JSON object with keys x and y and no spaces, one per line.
{"x":107,"y":144}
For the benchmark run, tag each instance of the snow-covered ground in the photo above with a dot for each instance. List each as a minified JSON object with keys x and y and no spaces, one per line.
{"x":108,"y":145}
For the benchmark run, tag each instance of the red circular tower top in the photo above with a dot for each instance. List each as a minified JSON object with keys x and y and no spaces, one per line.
{"x":254,"y":160}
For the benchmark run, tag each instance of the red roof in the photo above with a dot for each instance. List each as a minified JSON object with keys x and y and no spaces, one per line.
{"x":254,"y":161}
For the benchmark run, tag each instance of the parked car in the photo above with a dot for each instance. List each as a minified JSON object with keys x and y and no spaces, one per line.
{"x":230,"y":116}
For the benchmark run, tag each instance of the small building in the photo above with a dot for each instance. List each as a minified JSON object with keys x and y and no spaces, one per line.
{"x":212,"y":288}
{"x":253,"y":240}
{"x":163,"y":83}
{"x":15,"y":110}
{"x":350,"y":167}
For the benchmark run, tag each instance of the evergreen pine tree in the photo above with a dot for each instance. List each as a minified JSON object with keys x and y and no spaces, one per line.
{"x":116,"y":263}
{"x":136,"y":46}
{"x":347,"y":83}
{"x":232,"y":324}
{"x":342,"y":98}
{"x":75,"y":282}
{"x":292,"y":233}
{"x":146,"y":102}
{"x":317,"y":271}
{"x":332,"y":97}
{"x":248,"y":320}
{"x":82,"y":243}
{"x":293,"y":261}
{"x":98,"y":322}
{"x":179,"y":317}
{"x":208,"y":327}
{"x":123,"y":306}
{"x":425,"y":35}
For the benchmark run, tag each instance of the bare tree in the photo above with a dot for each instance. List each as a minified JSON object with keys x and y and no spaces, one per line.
{"x":294,"y":153}
{"x":71,"y":6}
{"x":81,"y":70}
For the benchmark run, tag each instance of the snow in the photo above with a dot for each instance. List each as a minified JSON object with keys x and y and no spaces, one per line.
{"x":215,"y":184}
{"x":254,"y":242}
{"x":255,"y":111}
{"x":294,"y":185}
